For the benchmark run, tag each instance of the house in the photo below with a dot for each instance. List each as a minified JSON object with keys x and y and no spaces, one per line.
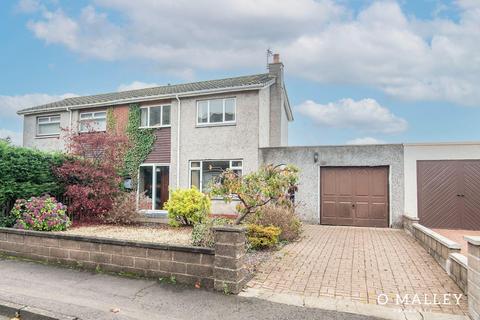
{"x":201,"y":128}
{"x":240,"y":123}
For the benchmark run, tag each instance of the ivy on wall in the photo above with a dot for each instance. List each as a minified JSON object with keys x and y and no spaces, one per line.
{"x":141,"y":141}
{"x":111,"y":120}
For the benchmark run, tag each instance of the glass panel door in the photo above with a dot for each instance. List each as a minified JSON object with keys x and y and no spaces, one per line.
{"x":145,"y":187}
{"x":161,"y":186}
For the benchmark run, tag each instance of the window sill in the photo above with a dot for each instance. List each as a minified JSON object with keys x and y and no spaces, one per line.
{"x":156,"y":127}
{"x":223,"y":124}
{"x":47,"y":136}
{"x":93,"y":131}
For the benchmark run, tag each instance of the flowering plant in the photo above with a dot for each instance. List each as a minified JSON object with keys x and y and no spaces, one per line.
{"x":41,"y":214}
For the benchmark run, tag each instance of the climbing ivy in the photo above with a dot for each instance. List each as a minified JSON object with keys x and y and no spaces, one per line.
{"x":141,"y":141}
{"x":111,"y":120}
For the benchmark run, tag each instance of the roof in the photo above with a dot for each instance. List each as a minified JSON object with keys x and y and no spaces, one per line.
{"x":168,"y":91}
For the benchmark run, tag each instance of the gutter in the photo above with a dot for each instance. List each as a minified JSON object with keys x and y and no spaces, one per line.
{"x":150,"y":98}
{"x":178,"y":140}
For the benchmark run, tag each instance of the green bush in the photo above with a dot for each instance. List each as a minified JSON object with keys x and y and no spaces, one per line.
{"x":202,"y":233}
{"x":260,"y":237}
{"x":281,"y":216}
{"x":40,"y":214}
{"x":187,"y":207}
{"x":25,"y":173}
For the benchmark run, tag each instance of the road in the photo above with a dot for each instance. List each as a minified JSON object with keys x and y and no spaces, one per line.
{"x":88,"y":295}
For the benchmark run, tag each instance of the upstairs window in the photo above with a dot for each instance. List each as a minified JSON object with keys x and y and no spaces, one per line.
{"x":155,"y":116}
{"x":93,"y":121}
{"x":216,"y":111}
{"x":48,"y":125}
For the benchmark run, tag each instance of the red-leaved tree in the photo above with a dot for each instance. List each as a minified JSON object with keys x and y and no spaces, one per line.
{"x":92,"y":177}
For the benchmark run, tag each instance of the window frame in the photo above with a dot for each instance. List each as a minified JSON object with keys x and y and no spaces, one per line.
{"x":93,"y":118}
{"x":161,"y":116}
{"x":200,"y":168}
{"x":223,"y":122}
{"x":154,"y":183}
{"x":38,"y":134}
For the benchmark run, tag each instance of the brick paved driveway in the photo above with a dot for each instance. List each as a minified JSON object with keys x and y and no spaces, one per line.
{"x":357,"y":264}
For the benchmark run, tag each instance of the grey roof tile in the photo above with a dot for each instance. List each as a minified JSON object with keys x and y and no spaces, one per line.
{"x":243,"y":81}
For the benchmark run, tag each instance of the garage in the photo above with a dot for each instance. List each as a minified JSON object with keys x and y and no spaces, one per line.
{"x":449,"y":194}
{"x":354,"y":196}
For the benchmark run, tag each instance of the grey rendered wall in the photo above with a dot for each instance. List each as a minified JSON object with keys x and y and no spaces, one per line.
{"x":308,"y":195}
{"x":45,"y":143}
{"x":239,"y":141}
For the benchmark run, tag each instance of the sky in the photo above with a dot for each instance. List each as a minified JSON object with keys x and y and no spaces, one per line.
{"x":357,"y":71}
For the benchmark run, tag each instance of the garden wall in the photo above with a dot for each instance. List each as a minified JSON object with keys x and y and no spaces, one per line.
{"x":189,"y":265}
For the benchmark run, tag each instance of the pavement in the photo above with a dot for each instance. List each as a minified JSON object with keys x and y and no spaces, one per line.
{"x":85,"y":295}
{"x":358,"y":265}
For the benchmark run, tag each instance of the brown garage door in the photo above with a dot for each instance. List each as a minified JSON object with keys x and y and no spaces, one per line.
{"x":354,"y":196}
{"x":449,"y":193}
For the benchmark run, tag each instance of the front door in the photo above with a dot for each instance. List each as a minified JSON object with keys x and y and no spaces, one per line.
{"x":354,"y":196}
{"x":153,"y":186}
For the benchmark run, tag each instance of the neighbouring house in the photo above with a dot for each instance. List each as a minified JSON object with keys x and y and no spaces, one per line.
{"x":240,"y":123}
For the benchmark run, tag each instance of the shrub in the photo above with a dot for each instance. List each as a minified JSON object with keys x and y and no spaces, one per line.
{"x":93,"y":177}
{"x":202,"y":233}
{"x":40,"y":214}
{"x":187,"y":207}
{"x":7,"y":221}
{"x":124,"y":209}
{"x":283,"y":217}
{"x":260,"y":237}
{"x":25,"y":173}
{"x":270,"y":184}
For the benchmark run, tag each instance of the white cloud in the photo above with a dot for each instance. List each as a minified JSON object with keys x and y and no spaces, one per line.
{"x":16,"y":137}
{"x":136,"y":85}
{"x":365,"y":140}
{"x":380,"y":46}
{"x":9,"y":105}
{"x":365,"y":115}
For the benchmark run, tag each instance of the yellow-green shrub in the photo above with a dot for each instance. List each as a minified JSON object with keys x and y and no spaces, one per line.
{"x":260,"y":237}
{"x":187,"y":207}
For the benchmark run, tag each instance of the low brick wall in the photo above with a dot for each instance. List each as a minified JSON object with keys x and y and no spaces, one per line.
{"x":189,"y":265}
{"x":473,"y":276}
{"x":408,"y":223}
{"x":458,"y":270}
{"x":437,"y":245}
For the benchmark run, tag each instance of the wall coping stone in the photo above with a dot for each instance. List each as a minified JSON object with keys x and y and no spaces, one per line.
{"x":475,"y":240}
{"x":438,"y":237}
{"x":411,"y":218}
{"x":238,"y":229}
{"x":103,"y":240}
{"x":460,"y":258}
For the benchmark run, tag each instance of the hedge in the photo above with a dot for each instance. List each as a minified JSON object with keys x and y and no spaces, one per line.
{"x":25,"y":173}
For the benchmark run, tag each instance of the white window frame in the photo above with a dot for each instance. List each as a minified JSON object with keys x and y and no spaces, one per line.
{"x":208,"y":123}
{"x":92,"y":118}
{"x":49,"y":117}
{"x":154,"y":183}
{"x":200,"y":168}
{"x":161,"y":116}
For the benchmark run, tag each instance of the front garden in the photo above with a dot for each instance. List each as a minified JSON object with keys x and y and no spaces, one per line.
{"x":82,"y":193}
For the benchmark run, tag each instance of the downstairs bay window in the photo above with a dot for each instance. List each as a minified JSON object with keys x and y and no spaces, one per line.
{"x":202,"y":173}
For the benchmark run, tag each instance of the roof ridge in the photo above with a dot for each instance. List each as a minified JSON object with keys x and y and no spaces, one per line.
{"x":202,"y":85}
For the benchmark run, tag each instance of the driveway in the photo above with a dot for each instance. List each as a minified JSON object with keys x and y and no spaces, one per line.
{"x":457,"y":236}
{"x":358,"y":264}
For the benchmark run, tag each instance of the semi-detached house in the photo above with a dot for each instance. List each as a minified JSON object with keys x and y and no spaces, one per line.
{"x":240,"y":123}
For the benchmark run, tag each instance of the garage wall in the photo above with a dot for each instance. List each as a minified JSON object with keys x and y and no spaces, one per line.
{"x":434,"y":151}
{"x":308,"y":195}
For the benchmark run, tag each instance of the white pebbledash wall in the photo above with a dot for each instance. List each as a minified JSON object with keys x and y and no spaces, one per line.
{"x":431,"y":151}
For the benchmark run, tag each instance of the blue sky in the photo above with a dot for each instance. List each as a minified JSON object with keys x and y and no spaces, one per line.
{"x":356,"y":71}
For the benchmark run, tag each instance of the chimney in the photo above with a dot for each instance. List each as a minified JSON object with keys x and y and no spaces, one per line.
{"x":276,"y":58}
